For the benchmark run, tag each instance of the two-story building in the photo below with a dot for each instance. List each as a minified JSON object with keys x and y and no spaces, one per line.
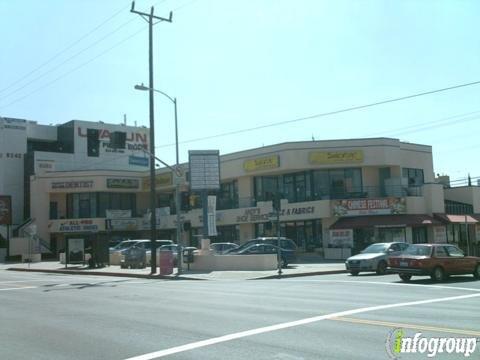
{"x":337,"y":196}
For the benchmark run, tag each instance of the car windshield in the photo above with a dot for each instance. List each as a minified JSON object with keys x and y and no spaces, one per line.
{"x":420,"y":250}
{"x":123,"y":245}
{"x":375,"y":248}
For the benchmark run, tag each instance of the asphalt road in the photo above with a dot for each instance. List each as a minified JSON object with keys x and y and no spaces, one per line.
{"x":49,"y":316}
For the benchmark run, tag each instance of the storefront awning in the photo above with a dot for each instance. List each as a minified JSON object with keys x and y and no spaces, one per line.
{"x":456,"y":219}
{"x":384,"y":221}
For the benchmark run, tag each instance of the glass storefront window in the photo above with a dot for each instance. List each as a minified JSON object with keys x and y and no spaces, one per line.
{"x":306,"y":234}
{"x":92,"y":205}
{"x":391,"y":234}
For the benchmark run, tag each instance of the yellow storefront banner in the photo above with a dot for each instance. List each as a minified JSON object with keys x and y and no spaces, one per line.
{"x":160,"y":180}
{"x":335,"y":157}
{"x":263,"y":163}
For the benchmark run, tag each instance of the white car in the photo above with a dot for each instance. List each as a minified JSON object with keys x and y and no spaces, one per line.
{"x":374,"y":257}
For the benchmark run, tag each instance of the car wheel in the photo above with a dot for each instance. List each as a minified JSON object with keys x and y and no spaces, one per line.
{"x":381,"y":268}
{"x":405,"y":277}
{"x":354,"y":273}
{"x":438,"y":274}
{"x":476,"y":273}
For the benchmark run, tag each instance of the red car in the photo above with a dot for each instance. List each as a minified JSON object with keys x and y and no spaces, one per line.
{"x":435,"y":260}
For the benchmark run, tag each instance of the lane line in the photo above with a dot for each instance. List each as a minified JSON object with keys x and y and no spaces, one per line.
{"x":407,"y":326}
{"x":286,"y":325}
{"x":388,"y":284}
{"x":20,"y":288}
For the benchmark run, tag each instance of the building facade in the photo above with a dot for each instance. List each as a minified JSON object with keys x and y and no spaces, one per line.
{"x":336,"y":197}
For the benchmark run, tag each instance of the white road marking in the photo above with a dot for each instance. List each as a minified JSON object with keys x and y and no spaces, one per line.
{"x":20,"y":288}
{"x":266,"y":329}
{"x":22,"y":281}
{"x":385,"y":283}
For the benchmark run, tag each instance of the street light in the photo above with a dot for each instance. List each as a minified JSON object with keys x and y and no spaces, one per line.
{"x":177,"y":173}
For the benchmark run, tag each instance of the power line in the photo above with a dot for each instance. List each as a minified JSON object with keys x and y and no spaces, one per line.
{"x":69,"y":59}
{"x":64,"y":50}
{"x":88,"y":61}
{"x":73,"y":70}
{"x":329,"y":113}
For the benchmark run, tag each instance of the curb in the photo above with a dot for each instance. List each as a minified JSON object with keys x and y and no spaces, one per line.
{"x":316,"y":273}
{"x":99,"y":273}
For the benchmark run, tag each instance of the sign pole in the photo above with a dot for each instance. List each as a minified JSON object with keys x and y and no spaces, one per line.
{"x":8,"y":241}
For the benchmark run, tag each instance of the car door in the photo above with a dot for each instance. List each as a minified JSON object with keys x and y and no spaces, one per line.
{"x":460,"y":264}
{"x":442,"y":258}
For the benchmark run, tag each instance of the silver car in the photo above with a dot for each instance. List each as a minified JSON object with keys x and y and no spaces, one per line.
{"x":374,"y":257}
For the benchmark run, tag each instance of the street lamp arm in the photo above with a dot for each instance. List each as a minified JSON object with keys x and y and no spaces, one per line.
{"x":176,"y":170}
{"x":146,"y":88}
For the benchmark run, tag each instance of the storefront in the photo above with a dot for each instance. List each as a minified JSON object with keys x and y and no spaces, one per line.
{"x":384,"y":228}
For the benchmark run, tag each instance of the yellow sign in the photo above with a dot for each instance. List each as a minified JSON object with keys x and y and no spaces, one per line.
{"x":334,"y":157}
{"x":263,"y":163}
{"x":160,"y":180}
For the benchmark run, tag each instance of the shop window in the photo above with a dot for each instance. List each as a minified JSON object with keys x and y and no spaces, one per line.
{"x":391,"y":234}
{"x":419,"y":235}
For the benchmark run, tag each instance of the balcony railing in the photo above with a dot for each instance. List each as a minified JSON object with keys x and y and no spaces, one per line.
{"x":349,"y":193}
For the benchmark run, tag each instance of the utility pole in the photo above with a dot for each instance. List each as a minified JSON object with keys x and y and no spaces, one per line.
{"x":153,"y":218}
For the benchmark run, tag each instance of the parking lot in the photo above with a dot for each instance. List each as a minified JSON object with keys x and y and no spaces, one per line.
{"x":53,"y":316}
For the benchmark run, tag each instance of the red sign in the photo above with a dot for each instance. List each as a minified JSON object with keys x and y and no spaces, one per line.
{"x":5,"y":210}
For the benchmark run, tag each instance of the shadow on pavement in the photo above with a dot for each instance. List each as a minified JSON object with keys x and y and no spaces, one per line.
{"x":80,"y":286}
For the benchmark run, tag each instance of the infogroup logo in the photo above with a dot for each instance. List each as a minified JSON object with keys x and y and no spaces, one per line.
{"x":398,"y":343}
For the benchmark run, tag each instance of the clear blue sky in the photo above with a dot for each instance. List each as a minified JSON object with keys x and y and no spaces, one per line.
{"x":240,"y":64}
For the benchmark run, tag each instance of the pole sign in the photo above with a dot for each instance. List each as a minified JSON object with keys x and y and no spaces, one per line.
{"x":5,"y":210}
{"x":204,"y":167}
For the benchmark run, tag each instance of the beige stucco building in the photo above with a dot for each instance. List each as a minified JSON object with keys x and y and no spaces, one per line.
{"x":337,"y":196}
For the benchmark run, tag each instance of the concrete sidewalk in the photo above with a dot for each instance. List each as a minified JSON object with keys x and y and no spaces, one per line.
{"x":293,"y":270}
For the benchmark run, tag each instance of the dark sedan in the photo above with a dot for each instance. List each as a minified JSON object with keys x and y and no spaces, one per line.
{"x":435,"y":260}
{"x":286,"y":255}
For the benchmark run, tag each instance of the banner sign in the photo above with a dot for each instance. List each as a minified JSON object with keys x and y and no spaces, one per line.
{"x":118,"y":214}
{"x":263,"y":163}
{"x":160,"y":180}
{"x":84,"y":184}
{"x":122,"y":224}
{"x":123,"y":183}
{"x":335,"y":157}
{"x":341,"y":238}
{"x":212,"y":208}
{"x":359,"y":207}
{"x":5,"y":210}
{"x":138,"y":160}
{"x":79,"y":225}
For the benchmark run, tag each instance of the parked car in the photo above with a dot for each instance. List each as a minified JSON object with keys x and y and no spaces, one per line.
{"x":374,"y":257}
{"x":435,"y":260}
{"x":221,"y":248}
{"x":284,"y":243}
{"x":287,"y":255}
{"x":144,"y":243}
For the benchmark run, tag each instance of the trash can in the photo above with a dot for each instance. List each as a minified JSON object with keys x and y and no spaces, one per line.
{"x":166,"y":262}
{"x":134,"y":258}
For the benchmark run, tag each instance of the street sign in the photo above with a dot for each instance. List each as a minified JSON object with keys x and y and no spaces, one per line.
{"x":204,"y":166}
